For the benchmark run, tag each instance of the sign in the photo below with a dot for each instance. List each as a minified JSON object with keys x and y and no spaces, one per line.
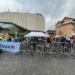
{"x":10,"y":46}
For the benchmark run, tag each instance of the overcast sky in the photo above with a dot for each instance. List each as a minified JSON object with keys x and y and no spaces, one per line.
{"x":52,"y":10}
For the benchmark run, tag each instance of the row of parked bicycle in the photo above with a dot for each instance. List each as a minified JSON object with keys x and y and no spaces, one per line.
{"x":47,"y":48}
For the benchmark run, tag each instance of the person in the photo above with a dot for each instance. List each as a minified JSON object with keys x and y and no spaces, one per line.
{"x":74,"y":38}
{"x":33,"y":40}
{"x":12,"y":39}
{"x":4,"y":39}
{"x":17,"y":40}
{"x":0,"y":39}
{"x":9,"y":39}
{"x":51,"y":39}
{"x":22,"y":39}
{"x":63,"y":41}
{"x":38,"y":39}
{"x":71,"y":40}
{"x":43,"y":40}
{"x":27,"y":39}
{"x":48,"y":40}
{"x":68,"y":40}
{"x":1,"y":49}
{"x":73,"y":46}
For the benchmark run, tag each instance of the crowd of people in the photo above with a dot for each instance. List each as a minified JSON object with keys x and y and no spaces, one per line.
{"x":35,"y":40}
{"x":53,"y":39}
{"x":39,"y":39}
{"x":11,"y":39}
{"x":66,"y":39}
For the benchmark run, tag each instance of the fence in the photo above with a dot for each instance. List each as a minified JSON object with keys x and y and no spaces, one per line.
{"x":48,"y":48}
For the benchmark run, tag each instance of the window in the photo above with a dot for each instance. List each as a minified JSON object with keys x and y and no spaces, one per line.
{"x":72,"y":30}
{"x":59,"y":28}
{"x":72,"y":26}
{"x":12,"y":29}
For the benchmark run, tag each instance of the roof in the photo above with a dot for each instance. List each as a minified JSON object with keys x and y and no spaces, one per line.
{"x":58,"y":22}
{"x":36,"y":34}
{"x":50,"y":30}
{"x":71,"y":21}
{"x":16,"y":25}
{"x":24,"y":20}
{"x":67,"y":17}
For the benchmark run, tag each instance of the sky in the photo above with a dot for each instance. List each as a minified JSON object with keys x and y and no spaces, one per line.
{"x":52,"y":10}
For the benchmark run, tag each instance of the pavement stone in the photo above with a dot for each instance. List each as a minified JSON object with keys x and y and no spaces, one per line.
{"x":26,"y":64}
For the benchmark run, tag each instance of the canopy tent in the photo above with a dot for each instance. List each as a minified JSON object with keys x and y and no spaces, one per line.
{"x":1,"y":34}
{"x":58,"y":36}
{"x":36,"y":34}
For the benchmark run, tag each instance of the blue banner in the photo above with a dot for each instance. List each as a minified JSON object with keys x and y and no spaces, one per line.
{"x":10,"y":46}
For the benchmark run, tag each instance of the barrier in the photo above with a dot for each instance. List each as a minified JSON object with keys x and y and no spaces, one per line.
{"x":38,"y":47}
{"x":10,"y":46}
{"x":48,"y":48}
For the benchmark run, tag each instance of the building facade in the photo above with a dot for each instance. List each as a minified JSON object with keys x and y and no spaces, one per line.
{"x":66,"y":27}
{"x":51,"y":32}
{"x":21,"y":22}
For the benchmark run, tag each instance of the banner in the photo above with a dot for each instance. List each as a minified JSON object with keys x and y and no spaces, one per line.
{"x":10,"y":46}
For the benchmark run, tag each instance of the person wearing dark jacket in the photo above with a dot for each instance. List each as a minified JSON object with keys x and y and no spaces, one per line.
{"x":33,"y":40}
{"x":10,"y":39}
{"x":48,"y":40}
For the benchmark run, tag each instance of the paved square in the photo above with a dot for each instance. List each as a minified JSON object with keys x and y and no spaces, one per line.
{"x":25,"y":64}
